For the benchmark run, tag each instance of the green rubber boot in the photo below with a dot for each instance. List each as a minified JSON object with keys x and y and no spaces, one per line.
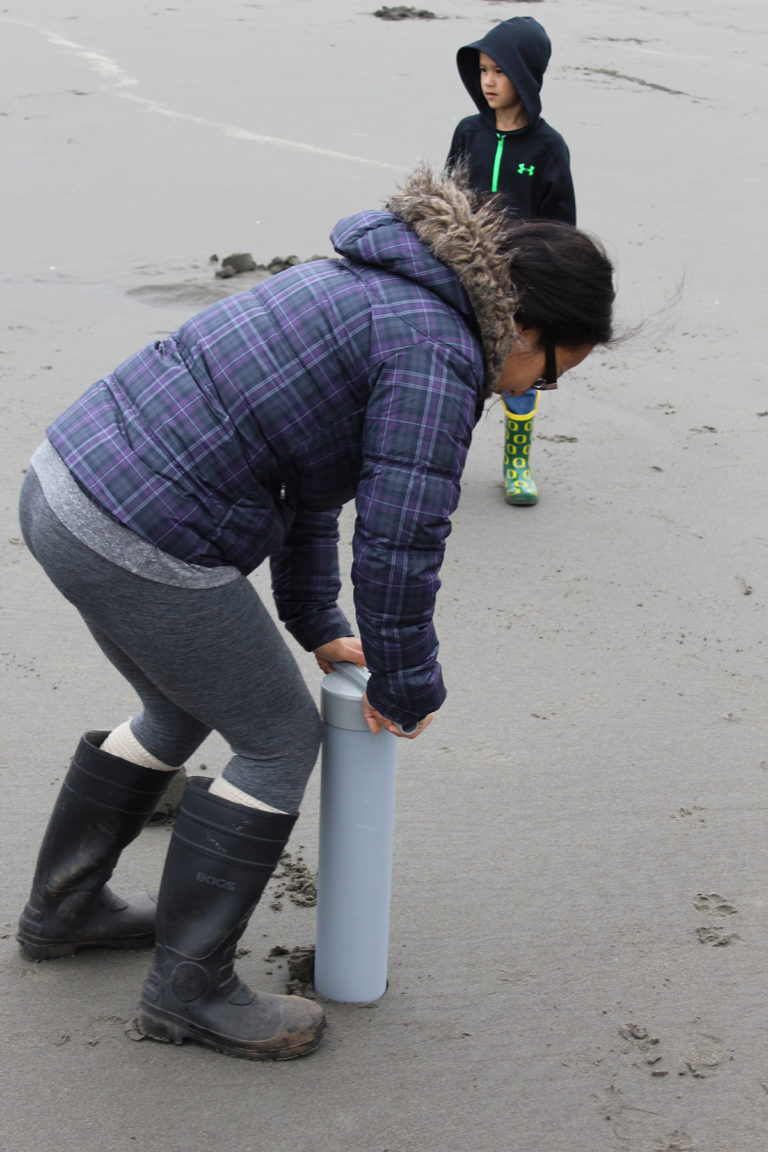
{"x":519,"y":485}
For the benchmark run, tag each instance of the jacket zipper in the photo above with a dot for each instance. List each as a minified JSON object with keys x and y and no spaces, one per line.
{"x":497,"y":162}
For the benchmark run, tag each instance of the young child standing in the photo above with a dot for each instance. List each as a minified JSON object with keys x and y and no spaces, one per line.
{"x":509,"y":149}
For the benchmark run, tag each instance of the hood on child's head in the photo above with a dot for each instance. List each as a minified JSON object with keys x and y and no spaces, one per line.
{"x":521,"y":48}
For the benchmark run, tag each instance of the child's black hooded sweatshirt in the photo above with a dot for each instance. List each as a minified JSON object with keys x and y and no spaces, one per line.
{"x":532,"y":164}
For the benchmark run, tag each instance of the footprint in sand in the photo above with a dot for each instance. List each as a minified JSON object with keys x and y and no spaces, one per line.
{"x":717,"y":908}
{"x":702,"y":1055}
{"x":644,"y":1045}
{"x":714,"y":904}
{"x":676,"y":1142}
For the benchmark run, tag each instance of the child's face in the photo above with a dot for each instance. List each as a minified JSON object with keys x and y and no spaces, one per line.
{"x":497,"y":89}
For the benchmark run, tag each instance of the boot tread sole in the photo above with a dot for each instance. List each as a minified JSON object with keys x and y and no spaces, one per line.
{"x":60,"y":949}
{"x":167,"y":1032}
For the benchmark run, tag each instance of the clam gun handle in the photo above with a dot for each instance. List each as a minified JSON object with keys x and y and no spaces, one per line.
{"x":359,"y":677}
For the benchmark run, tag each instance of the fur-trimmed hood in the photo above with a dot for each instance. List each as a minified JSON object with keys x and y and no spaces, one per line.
{"x":465,"y":235}
{"x":458,"y":234}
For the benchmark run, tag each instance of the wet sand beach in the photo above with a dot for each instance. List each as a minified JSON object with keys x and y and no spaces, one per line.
{"x":580,"y":903}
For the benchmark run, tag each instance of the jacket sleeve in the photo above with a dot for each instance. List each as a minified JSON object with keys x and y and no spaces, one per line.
{"x":456,"y":152}
{"x":417,"y":432}
{"x":305,"y":580}
{"x":558,"y":201}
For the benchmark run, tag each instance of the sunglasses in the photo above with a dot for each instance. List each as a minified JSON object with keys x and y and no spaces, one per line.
{"x":548,"y":381}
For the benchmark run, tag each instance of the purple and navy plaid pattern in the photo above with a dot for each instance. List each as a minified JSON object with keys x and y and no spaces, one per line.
{"x":240,"y":436}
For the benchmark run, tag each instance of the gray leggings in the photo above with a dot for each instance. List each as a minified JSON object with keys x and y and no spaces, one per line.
{"x":199,"y":659}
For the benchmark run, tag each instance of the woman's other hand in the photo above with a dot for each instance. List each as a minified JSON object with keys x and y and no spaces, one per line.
{"x":376,"y":722}
{"x":345,"y":650}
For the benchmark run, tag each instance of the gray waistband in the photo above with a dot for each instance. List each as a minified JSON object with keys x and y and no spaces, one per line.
{"x":98,"y":531}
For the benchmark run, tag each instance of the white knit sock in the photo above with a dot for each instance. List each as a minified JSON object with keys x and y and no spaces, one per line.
{"x":221,"y":787}
{"x":122,"y":742}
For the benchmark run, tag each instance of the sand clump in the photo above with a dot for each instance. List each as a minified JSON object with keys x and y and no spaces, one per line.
{"x":401,"y":12}
{"x":293,"y":879}
{"x":239,"y":262}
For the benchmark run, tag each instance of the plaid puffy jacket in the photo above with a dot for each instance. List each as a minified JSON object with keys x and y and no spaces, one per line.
{"x":239,"y":437}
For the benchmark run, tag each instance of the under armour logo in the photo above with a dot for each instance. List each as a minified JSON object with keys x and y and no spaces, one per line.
{"x":523,"y":168}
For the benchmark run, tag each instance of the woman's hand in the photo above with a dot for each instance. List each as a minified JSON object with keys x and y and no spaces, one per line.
{"x":376,"y":722}
{"x":349,"y":650}
{"x":346,"y":650}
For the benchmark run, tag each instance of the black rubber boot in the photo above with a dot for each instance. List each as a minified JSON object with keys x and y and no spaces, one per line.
{"x":103,"y":804}
{"x":220,"y":859}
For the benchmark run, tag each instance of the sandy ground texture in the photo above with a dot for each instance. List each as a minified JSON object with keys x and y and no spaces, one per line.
{"x":579,"y":921}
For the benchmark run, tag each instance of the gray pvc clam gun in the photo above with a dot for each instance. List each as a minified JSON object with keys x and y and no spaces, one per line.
{"x":357,"y":818}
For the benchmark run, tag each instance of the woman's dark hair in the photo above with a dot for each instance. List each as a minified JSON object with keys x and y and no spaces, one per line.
{"x":563,"y":281}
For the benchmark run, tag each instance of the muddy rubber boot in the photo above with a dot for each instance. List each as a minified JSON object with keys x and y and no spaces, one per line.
{"x":519,"y":485}
{"x":220,"y":859}
{"x":103,"y":804}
